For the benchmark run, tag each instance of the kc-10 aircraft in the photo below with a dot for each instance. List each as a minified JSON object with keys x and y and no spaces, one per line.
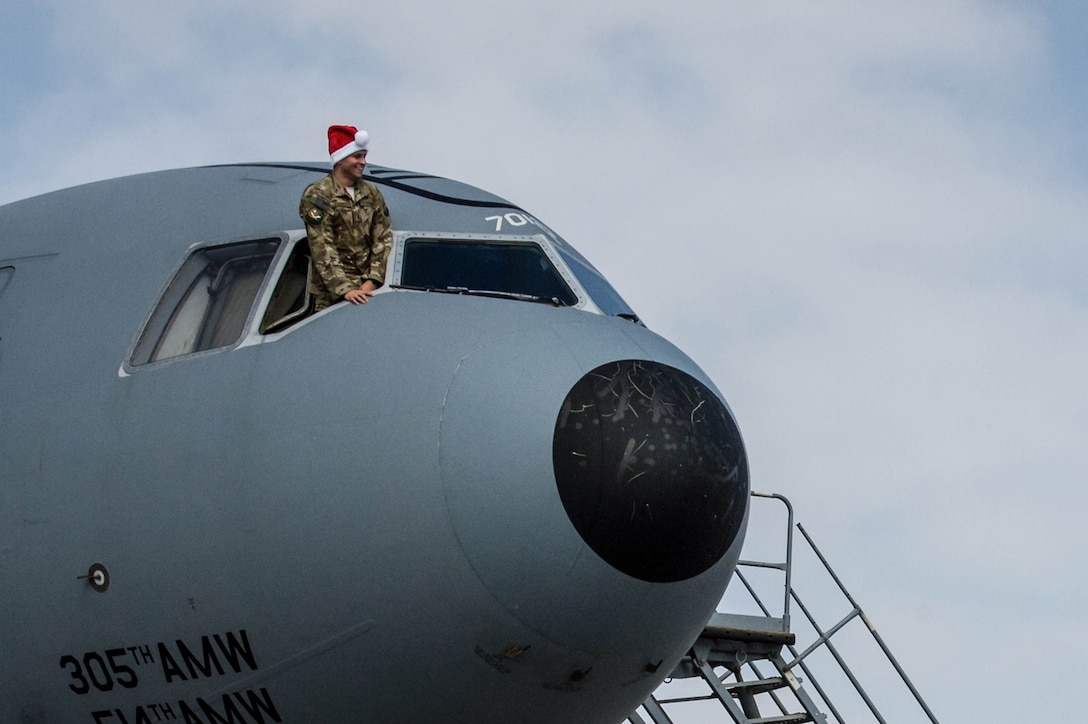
{"x":491,"y":494}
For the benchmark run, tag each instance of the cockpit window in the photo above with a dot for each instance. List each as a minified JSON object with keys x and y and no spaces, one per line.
{"x":516,"y":269}
{"x":291,"y":300}
{"x":208,"y":302}
{"x":603,"y":294}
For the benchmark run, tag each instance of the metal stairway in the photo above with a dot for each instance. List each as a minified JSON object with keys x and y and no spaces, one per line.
{"x":729,"y":666}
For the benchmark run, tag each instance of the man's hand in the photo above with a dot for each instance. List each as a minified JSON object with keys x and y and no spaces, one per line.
{"x":362,"y":294}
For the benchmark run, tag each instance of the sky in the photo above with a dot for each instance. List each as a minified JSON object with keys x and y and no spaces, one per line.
{"x":864,"y":221}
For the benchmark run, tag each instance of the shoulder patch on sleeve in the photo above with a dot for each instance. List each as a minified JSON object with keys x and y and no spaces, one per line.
{"x":320,"y":203}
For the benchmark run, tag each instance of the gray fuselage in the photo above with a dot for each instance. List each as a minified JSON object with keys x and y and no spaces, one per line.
{"x":443,"y":505}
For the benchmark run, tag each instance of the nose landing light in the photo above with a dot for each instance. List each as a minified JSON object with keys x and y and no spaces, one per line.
{"x":651,"y":469}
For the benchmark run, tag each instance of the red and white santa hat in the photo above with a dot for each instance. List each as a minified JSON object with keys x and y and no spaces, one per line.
{"x":346,"y":140}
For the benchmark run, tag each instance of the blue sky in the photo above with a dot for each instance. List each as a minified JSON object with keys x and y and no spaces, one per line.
{"x":865,"y":221}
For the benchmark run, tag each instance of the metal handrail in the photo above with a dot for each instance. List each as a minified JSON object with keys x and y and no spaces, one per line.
{"x":872,"y":630}
{"x":786,"y":567}
{"x":718,"y":684}
{"x":824,"y":637}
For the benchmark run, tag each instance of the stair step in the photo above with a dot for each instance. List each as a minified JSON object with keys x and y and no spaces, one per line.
{"x":785,"y":719}
{"x":755,"y":686}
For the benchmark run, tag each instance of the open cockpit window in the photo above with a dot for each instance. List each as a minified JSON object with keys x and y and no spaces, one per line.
{"x":517,"y":270}
{"x":291,"y":300}
{"x":208,"y":302}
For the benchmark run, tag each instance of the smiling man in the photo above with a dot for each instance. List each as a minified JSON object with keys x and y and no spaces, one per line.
{"x":347,"y":223}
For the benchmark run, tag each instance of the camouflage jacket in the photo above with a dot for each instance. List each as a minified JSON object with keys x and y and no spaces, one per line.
{"x":349,"y":238}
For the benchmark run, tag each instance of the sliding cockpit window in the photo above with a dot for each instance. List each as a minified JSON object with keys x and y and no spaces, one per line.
{"x":518,"y":270}
{"x":291,"y":301}
{"x":207,"y":304}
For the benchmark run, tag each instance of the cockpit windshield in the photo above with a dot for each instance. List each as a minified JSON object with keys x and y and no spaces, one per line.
{"x":516,"y":270}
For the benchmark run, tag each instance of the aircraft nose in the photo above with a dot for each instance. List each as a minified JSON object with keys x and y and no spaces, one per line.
{"x":590,"y":495}
{"x":651,"y":469}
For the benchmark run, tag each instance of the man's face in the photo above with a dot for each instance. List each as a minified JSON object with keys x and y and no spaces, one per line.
{"x":351,"y":167}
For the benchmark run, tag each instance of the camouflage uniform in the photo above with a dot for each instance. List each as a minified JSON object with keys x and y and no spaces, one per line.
{"x":349,"y":238}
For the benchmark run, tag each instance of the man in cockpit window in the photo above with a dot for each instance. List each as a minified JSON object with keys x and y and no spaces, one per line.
{"x":347,"y":223}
